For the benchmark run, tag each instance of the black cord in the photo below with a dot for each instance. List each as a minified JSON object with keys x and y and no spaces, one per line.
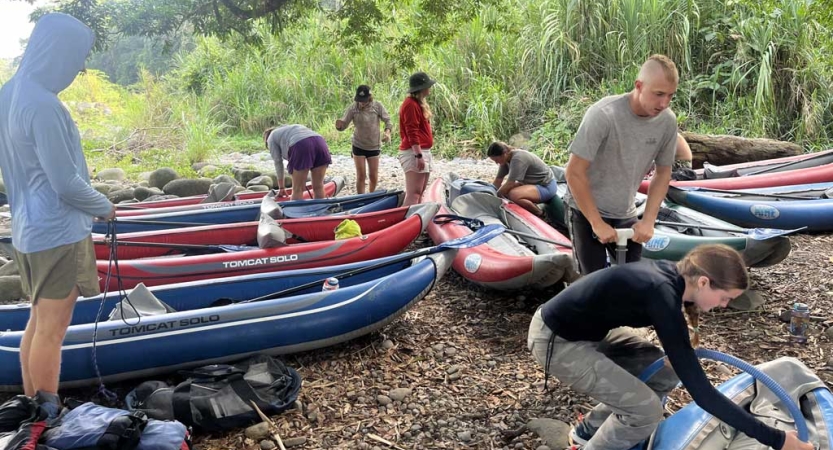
{"x":112,"y":262}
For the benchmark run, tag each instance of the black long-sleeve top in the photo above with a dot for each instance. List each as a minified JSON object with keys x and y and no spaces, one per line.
{"x":647,"y":293}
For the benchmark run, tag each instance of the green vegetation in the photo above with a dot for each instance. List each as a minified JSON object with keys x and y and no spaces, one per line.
{"x":751,"y":68}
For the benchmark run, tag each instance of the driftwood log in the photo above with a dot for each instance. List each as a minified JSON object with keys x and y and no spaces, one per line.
{"x":722,"y":149}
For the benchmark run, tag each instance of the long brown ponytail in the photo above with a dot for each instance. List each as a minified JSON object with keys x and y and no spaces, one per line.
{"x":266,"y":134}
{"x":722,"y":265}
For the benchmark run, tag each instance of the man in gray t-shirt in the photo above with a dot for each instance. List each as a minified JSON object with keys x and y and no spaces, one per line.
{"x":616,"y":144}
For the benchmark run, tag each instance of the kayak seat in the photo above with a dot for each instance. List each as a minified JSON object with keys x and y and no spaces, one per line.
{"x":140,"y":302}
{"x":669,"y":215}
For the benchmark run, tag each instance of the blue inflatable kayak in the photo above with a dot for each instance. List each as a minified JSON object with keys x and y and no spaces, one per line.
{"x":198,"y":333}
{"x":784,"y":207}
{"x":353,"y":204}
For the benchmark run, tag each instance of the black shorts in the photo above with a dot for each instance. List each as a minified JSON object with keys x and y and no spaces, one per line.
{"x":366,"y":153}
{"x":589,"y":253}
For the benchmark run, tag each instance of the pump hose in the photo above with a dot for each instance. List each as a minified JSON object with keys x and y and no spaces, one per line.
{"x":795,"y":412}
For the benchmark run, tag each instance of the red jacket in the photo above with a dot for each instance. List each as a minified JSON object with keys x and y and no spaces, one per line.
{"x":413,"y":126}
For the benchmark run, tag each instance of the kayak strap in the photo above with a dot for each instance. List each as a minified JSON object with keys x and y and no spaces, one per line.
{"x":474,"y":224}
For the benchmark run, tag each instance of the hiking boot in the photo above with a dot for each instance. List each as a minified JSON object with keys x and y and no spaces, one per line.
{"x":50,"y":403}
{"x":579,"y":436}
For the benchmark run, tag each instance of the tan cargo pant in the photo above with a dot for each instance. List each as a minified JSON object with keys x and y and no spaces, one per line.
{"x":629,"y":410}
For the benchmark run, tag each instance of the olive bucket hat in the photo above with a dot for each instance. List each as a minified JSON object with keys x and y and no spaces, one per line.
{"x":419,"y":81}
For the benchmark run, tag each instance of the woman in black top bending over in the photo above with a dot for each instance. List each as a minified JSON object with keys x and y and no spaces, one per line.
{"x":577,"y":337}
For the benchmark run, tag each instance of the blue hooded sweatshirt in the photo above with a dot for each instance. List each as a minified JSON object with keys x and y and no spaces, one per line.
{"x":46,"y":176}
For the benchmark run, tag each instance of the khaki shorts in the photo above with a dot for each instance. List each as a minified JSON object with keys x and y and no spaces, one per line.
{"x":53,"y":273}
{"x":409,"y":164}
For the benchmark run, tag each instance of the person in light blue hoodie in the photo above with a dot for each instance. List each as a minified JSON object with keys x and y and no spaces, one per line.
{"x":52,"y":202}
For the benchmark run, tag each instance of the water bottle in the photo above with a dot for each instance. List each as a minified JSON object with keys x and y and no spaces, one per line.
{"x":799,"y":319}
{"x":330,"y":284}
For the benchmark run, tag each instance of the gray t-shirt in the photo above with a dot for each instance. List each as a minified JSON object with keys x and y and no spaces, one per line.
{"x":366,"y":124}
{"x":281,"y":138}
{"x":526,"y":168}
{"x":621,"y":147}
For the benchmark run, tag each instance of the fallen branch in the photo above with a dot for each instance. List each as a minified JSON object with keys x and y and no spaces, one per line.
{"x":272,"y":427}
{"x":384,"y":441}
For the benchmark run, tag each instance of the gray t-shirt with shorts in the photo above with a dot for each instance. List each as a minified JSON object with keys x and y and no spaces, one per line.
{"x":621,"y":147}
{"x":526,"y":168}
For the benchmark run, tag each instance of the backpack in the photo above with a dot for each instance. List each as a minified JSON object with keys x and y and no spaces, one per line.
{"x":219,"y":397}
{"x":22,"y":422}
{"x":95,"y":427}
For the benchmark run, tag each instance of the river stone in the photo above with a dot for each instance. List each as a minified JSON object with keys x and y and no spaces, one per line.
{"x":209,"y":170}
{"x":259,"y":188}
{"x":142,"y":193}
{"x":554,"y":433}
{"x":120,"y":195}
{"x":11,"y":291}
{"x":266,"y":444}
{"x":399,"y":394}
{"x":114,"y":174}
{"x":258,"y":432}
{"x":225,"y":179}
{"x":159,"y":178}
{"x":145,"y":176}
{"x":243,"y":176}
{"x":199,"y":165}
{"x":9,"y":268}
{"x":294,"y":442}
{"x":103,"y":187}
{"x":748,"y":301}
{"x":185,"y":187}
{"x":262,"y":180}
{"x":156,"y":198}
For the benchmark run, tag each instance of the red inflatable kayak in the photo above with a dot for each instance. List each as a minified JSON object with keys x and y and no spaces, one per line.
{"x":819,"y":174}
{"x":331,"y":188}
{"x":166,"y":270}
{"x":506,"y":262}
{"x":313,"y":229}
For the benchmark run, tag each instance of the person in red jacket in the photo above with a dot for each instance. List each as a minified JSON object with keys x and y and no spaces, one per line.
{"x":417,"y":138}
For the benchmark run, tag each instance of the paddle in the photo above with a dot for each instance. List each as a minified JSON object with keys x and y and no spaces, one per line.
{"x":479,"y":237}
{"x":758,"y":234}
{"x":217,"y":248}
{"x":476,"y":224}
{"x":725,"y":191}
{"x":786,"y":164}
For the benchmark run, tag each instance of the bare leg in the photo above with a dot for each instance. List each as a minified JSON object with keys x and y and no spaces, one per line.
{"x":360,"y":173}
{"x":373,"y":172}
{"x":318,"y":174}
{"x":299,"y":183}
{"x":53,"y":318}
{"x":25,"y":345}
{"x":414,"y":187}
{"x":527,"y":196}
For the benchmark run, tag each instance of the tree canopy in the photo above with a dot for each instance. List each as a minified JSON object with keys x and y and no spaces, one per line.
{"x":362,"y":20}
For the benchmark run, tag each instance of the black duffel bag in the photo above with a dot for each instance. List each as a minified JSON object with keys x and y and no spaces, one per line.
{"x":219,"y":397}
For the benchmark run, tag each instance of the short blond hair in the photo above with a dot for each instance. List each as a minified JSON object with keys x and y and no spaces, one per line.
{"x":669,"y":69}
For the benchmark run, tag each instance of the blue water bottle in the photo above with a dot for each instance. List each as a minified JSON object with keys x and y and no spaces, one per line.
{"x":799,"y":319}
{"x":330,"y":284}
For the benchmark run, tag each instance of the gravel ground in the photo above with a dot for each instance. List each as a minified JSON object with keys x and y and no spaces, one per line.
{"x":454,"y":371}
